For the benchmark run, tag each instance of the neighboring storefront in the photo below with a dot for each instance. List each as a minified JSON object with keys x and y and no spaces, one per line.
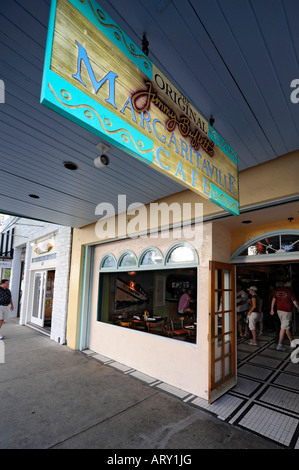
{"x":6,"y":250}
{"x":40,"y":275}
{"x":114,"y":282}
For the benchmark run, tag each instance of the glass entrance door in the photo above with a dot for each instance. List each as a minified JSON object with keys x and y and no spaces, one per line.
{"x":222,"y":329}
{"x":38,"y":298}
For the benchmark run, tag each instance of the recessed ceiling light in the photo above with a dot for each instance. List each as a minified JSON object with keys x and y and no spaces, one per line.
{"x":70,"y":166}
{"x":34,"y":196}
{"x":246,"y":221}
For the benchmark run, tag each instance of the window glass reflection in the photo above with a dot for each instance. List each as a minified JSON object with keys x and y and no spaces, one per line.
{"x":109,"y":262}
{"x":227,"y":365}
{"x":181,"y":254}
{"x":284,"y":243}
{"x":218,"y":371}
{"x":148,"y":300}
{"x":128,"y":260}
{"x":289,"y":243}
{"x":151,"y":257}
{"x":218,"y":278}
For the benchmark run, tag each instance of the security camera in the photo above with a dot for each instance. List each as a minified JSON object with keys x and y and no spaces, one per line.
{"x":102,"y":160}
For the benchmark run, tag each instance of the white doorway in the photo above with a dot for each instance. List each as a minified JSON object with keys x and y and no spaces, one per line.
{"x":42,"y":298}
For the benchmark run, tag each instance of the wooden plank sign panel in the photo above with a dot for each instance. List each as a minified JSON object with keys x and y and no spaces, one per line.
{"x":97,"y":77}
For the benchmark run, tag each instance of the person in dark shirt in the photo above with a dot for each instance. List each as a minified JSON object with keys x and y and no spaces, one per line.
{"x":6,"y":303}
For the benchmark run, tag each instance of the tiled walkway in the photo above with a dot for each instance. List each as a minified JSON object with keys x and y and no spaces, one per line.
{"x":265,"y":400}
{"x":268,"y":382}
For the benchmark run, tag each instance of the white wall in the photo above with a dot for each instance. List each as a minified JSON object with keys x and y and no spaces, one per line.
{"x":61,"y":285}
{"x":27,"y":231}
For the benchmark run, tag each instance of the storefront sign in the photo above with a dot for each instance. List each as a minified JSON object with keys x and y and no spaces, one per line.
{"x":97,"y":77}
{"x":5,"y":264}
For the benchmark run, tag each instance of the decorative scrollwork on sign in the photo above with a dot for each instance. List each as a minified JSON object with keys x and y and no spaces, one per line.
{"x":90,"y":112}
{"x":100,"y":17}
{"x":66,"y":95}
{"x":221,"y":198}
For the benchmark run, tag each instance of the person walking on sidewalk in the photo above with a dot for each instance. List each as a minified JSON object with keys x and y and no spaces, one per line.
{"x":6,"y":303}
{"x":284,"y":298}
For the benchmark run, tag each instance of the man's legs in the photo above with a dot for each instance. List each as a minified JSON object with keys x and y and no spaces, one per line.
{"x":285,"y":318}
{"x":253,"y":317}
{"x":253,"y":332}
{"x":281,"y":336}
{"x":239,"y":325}
{"x":4,"y":315}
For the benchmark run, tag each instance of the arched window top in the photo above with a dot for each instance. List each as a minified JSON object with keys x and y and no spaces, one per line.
{"x":108,"y":262}
{"x":127,"y":259}
{"x":280,"y":243}
{"x":181,"y":253}
{"x":151,"y":257}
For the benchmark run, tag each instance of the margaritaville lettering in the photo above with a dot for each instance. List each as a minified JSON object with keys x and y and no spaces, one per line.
{"x":97,"y":77}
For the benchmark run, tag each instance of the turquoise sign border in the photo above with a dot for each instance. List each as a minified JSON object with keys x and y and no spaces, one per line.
{"x":223,"y":200}
{"x":63,"y":97}
{"x":99,"y":18}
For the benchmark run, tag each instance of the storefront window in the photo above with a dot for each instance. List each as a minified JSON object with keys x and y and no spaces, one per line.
{"x":144,"y":294}
{"x":181,"y":254}
{"x":151,"y":257}
{"x":108,"y":262}
{"x":289,"y":243}
{"x":264,"y":246}
{"x":127,"y":259}
{"x":272,"y":245}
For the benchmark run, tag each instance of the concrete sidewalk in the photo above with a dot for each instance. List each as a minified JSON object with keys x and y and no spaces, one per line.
{"x":54,"y":397}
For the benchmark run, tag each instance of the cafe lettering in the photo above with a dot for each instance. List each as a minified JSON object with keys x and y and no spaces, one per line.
{"x":106,"y":84}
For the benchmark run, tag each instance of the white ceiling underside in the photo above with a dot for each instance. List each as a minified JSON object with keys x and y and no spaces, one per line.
{"x":233,"y":59}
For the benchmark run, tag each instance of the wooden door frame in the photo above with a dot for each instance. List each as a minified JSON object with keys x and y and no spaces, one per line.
{"x":227,"y":382}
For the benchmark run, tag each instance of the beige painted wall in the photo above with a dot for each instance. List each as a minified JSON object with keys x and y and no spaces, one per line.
{"x":272,"y":180}
{"x":158,"y":356}
{"x":161,"y":357}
